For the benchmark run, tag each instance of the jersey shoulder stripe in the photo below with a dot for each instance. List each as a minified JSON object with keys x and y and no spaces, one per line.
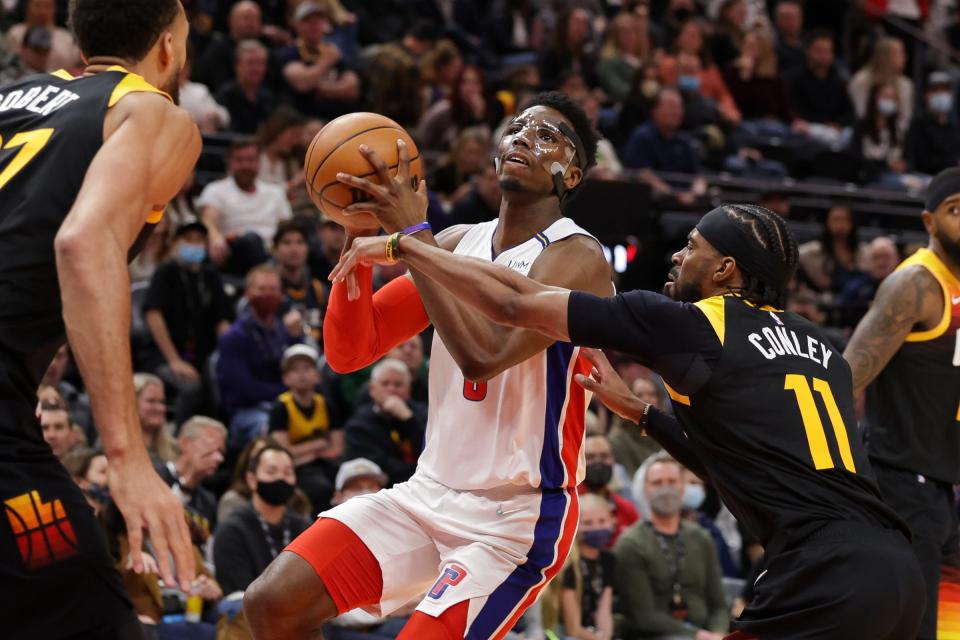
{"x":948,"y":283}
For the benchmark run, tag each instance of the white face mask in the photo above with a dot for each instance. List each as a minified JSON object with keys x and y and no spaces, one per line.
{"x":886,"y":106}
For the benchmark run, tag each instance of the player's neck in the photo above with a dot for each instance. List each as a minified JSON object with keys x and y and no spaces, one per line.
{"x":945,"y":257}
{"x":270,"y":513}
{"x":97,"y":64}
{"x":667,"y":525}
{"x":520,"y":221}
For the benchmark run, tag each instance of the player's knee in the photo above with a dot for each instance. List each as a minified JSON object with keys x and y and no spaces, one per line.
{"x":279,"y":604}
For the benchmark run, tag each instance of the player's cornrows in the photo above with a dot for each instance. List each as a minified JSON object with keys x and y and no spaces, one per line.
{"x":773,"y":234}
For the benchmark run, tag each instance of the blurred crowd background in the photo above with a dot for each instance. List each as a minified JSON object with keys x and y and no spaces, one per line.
{"x":833,"y":113}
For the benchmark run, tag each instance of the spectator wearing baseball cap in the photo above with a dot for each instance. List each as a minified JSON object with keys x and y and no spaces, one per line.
{"x":185,"y":310}
{"x":319,"y":80}
{"x":35,"y":51}
{"x":358,"y":477}
{"x":300,"y":421}
{"x":933,"y":141}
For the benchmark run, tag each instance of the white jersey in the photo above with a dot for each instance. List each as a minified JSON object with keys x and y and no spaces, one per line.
{"x":523,"y":427}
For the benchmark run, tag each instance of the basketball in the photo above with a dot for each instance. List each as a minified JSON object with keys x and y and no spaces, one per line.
{"x":336,"y":149}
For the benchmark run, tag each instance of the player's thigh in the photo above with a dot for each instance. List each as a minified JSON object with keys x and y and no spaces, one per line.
{"x":52,"y":550}
{"x":822,"y":589}
{"x":385,"y":561}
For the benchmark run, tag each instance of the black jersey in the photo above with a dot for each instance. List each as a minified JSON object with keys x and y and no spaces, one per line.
{"x":764,"y":400}
{"x":51,"y":127}
{"x":913,"y":406}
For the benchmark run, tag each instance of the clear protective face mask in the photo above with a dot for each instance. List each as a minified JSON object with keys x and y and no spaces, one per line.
{"x":544,"y":139}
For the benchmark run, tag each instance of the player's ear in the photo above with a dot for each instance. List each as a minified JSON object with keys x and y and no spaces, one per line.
{"x":929,"y":222}
{"x":725,"y":270}
{"x":167,"y":50}
{"x":573,"y":177}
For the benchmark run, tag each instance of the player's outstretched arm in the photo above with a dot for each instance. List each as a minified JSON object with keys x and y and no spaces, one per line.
{"x":481,"y":348}
{"x":499,"y":293}
{"x":906,"y":298}
{"x":612,"y":391}
{"x":149,"y":148}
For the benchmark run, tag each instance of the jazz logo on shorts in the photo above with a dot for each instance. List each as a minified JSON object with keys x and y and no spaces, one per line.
{"x":43,"y":532}
{"x":452,"y":575}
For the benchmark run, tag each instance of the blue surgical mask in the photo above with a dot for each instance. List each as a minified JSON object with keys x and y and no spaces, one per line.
{"x":688,"y":83}
{"x":887,"y":107}
{"x":191,"y":253}
{"x":693,"y":496}
{"x":596,"y":538}
{"x":941,"y":102}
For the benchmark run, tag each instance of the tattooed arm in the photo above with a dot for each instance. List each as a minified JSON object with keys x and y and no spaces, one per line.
{"x":908,"y":298}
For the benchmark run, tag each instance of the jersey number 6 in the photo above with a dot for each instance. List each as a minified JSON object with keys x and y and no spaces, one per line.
{"x":474,"y":391}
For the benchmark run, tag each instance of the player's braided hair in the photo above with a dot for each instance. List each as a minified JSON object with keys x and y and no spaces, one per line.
{"x":773,"y":234}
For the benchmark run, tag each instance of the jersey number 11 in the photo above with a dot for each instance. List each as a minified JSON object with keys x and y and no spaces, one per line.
{"x":813,"y":425}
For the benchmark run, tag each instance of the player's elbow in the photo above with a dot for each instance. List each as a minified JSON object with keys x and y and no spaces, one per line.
{"x":69,"y":246}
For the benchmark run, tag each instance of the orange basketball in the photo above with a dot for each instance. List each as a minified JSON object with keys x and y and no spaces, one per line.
{"x":336,"y":149}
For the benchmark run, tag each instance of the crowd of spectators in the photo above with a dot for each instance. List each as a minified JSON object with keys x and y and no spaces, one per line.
{"x":257,"y":435}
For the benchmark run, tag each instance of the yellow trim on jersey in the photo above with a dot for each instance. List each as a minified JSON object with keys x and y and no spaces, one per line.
{"x":714,"y":309}
{"x":132,"y":83}
{"x":676,"y":396}
{"x":947,"y":281}
{"x":155,"y":215}
{"x":62,"y":74}
{"x":765,"y":307}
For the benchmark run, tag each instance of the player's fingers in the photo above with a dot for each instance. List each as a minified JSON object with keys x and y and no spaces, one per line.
{"x":353,"y":287}
{"x":182,"y":548}
{"x":363,"y":184}
{"x":596,"y":357}
{"x":158,"y":538}
{"x":403,"y":164}
{"x":377,"y":163}
{"x":135,"y":539}
{"x":587,"y":383}
{"x":361,"y":207}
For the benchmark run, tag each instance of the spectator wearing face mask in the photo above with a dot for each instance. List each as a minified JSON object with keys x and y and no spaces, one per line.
{"x":694,"y":498}
{"x":878,"y":140}
{"x":185,"y":310}
{"x":253,"y":535}
{"x":600,"y":467}
{"x":933,"y":142}
{"x":586,"y":600}
{"x":251,"y":350}
{"x":668,"y":576}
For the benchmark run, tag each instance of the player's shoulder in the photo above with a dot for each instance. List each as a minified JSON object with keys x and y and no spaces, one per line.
{"x":450,"y":237}
{"x":154,"y":113}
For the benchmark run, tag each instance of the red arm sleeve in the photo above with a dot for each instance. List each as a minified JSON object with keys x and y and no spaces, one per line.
{"x":358,"y":333}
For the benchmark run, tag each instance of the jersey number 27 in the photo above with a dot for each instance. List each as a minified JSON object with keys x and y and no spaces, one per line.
{"x":813,"y":425}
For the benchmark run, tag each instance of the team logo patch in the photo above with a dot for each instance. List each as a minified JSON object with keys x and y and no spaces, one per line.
{"x":44,"y":534}
{"x":452,"y":575}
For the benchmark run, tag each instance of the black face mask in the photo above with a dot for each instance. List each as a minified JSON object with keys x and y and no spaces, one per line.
{"x":275,"y":493}
{"x":682,"y":14}
{"x":598,"y":475}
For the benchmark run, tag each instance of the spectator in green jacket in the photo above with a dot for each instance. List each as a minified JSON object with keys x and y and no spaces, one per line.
{"x":667,"y":572}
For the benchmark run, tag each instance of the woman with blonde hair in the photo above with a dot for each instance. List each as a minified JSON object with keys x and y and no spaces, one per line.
{"x":886,"y":65}
{"x":626,"y":46}
{"x":755,"y":83}
{"x":152,"y":411}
